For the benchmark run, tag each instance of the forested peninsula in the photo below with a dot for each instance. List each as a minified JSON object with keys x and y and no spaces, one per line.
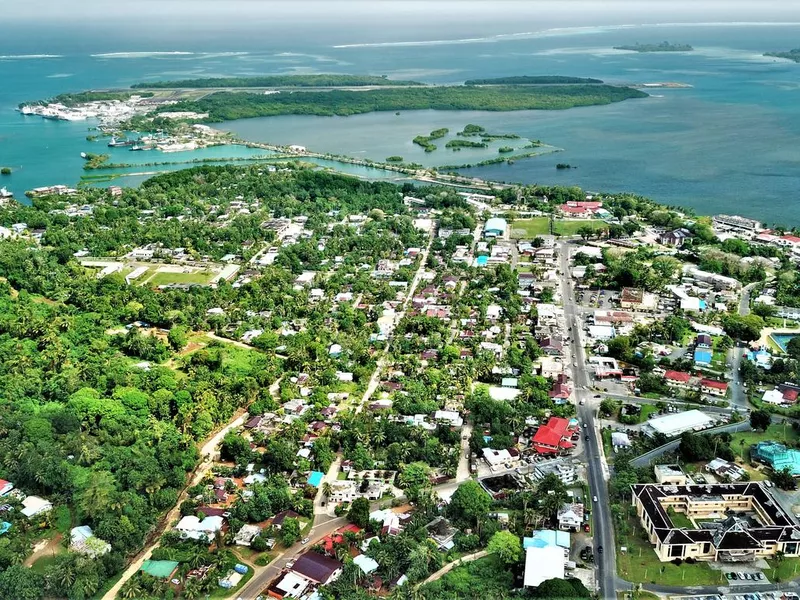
{"x":227,"y":106}
{"x":790,"y":55}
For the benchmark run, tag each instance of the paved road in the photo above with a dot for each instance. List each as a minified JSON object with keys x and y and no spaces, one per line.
{"x":597,"y":467}
{"x":324,"y":526}
{"x":736,"y":354}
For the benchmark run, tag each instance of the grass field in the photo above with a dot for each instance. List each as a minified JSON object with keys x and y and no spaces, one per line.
{"x":530,"y":228}
{"x":42,"y":563}
{"x":162,"y":278}
{"x":777,"y":432}
{"x":783,"y":570}
{"x":571,"y":227}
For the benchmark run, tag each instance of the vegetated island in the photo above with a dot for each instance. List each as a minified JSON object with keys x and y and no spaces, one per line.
{"x":790,"y":55}
{"x":561,"y":166}
{"x":458,"y":144}
{"x":425,"y":140}
{"x":323,"y":80}
{"x":533,"y":80}
{"x":662,"y":47}
{"x":472,"y":130}
{"x":230,"y":105}
{"x":394,"y":159}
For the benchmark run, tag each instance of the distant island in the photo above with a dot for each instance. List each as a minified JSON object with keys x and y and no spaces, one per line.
{"x":791,"y":55}
{"x":533,"y":80}
{"x":272,"y":81}
{"x":662,"y":47}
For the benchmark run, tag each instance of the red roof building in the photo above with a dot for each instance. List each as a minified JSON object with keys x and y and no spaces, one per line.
{"x":553,"y":437}
{"x":710,"y":386}
{"x":677,"y":377}
{"x":580,"y":208}
{"x":790,"y":395}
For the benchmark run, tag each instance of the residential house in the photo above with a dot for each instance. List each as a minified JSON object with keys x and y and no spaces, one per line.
{"x":193,"y":528}
{"x":674,"y":238}
{"x":246,"y":534}
{"x":318,"y":568}
{"x":553,"y":437}
{"x":34,"y":505}
{"x":83,"y":541}
{"x":570,"y":517}
{"x":278,"y":519}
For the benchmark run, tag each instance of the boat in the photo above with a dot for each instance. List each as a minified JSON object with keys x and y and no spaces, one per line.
{"x":5,"y":194}
{"x":137,"y":148}
{"x":115,"y":143}
{"x":84,"y":155}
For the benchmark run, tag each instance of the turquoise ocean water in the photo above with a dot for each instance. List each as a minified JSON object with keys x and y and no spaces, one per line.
{"x":730,"y":143}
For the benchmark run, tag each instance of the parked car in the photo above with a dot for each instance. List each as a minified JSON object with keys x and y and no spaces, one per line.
{"x":731,"y":575}
{"x":305,"y":541}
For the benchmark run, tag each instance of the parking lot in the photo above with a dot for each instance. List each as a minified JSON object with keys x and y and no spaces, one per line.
{"x":745,"y":576}
{"x":604,"y":299}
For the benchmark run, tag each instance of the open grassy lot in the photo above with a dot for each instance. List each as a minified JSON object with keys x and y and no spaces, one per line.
{"x":572,"y":227}
{"x":776,"y":431}
{"x":530,"y":228}
{"x":783,"y":570}
{"x":162,"y":278}
{"x":44,"y":562}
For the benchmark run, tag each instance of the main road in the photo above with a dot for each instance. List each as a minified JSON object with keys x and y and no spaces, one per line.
{"x":603,"y":533}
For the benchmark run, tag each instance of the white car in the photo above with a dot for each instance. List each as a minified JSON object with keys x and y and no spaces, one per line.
{"x":594,"y":498}
{"x":305,"y":541}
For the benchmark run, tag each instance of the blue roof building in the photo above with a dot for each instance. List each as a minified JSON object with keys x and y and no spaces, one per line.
{"x":777,"y":456}
{"x":702,"y":356}
{"x":495,"y":227}
{"x":544,"y":538}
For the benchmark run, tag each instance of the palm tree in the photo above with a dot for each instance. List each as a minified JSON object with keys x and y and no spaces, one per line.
{"x":326,"y":489}
{"x":132,"y":588}
{"x":449,"y":470}
{"x":192,"y":590}
{"x":96,"y":495}
{"x":378,"y":437}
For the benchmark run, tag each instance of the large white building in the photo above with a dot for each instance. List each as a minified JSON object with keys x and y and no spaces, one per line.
{"x":677,"y":423}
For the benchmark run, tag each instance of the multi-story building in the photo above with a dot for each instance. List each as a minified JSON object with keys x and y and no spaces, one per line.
{"x":739,"y":522}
